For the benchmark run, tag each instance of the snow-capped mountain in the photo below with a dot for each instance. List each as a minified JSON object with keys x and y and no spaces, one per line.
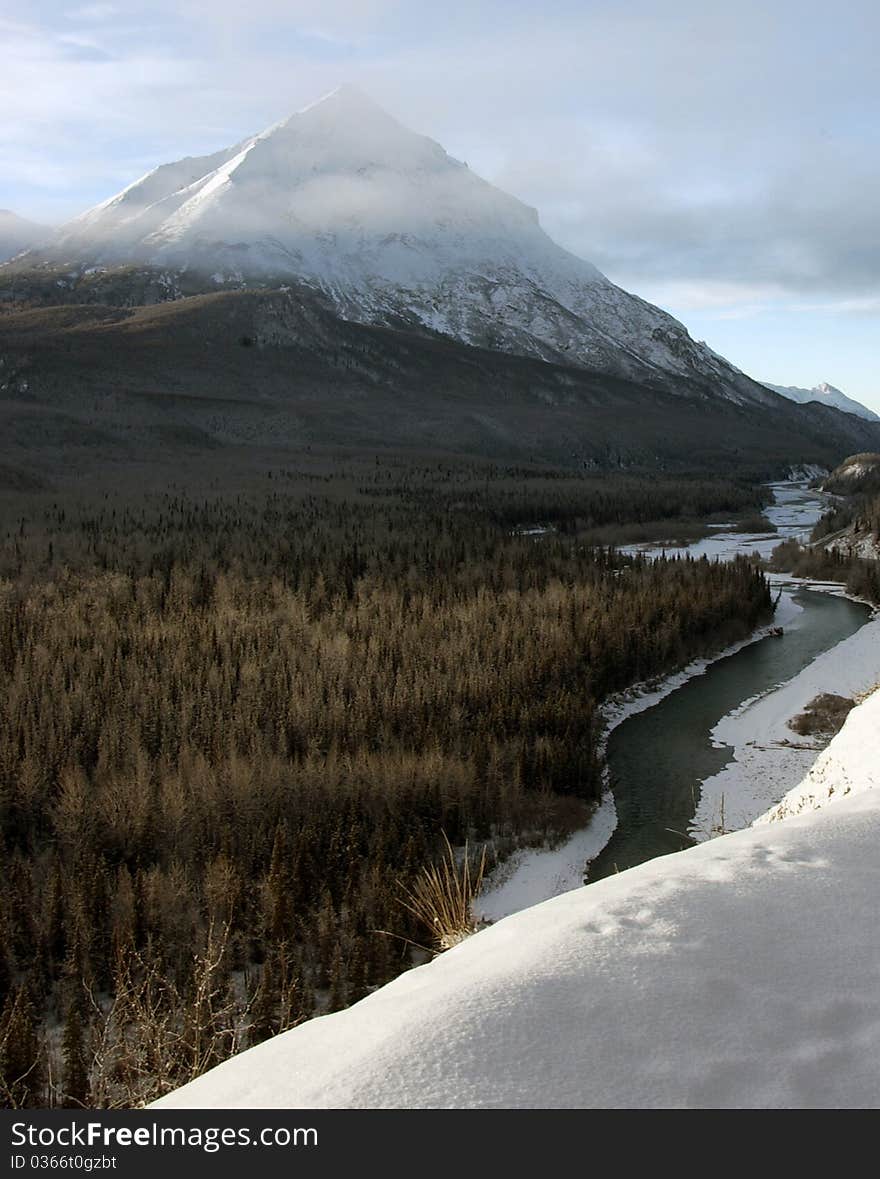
{"x":17,"y":234}
{"x":393,"y":230}
{"x":825,"y":394}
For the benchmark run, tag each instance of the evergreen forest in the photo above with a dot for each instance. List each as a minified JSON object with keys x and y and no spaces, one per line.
{"x":235,"y":726}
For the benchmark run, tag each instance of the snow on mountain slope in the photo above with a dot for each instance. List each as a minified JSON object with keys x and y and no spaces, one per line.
{"x":825,"y":394}
{"x":118,"y":224}
{"x":740,"y":973}
{"x":859,"y":474}
{"x":17,"y":234}
{"x":395,"y":231}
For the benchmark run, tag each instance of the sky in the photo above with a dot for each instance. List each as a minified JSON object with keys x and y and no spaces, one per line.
{"x":719,"y":159}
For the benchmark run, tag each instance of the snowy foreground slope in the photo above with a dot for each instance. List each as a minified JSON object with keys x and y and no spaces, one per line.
{"x":739,"y":973}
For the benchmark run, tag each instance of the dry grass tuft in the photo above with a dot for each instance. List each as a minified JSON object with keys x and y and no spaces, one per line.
{"x":443,"y":894}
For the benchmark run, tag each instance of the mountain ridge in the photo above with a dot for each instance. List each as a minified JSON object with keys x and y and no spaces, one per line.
{"x":825,"y":394}
{"x":18,"y":234}
{"x":253,"y":378}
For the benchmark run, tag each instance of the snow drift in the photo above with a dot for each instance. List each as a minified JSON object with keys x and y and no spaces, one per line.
{"x":740,"y":973}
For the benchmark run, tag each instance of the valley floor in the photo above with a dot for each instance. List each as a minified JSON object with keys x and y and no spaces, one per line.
{"x":739,"y":973}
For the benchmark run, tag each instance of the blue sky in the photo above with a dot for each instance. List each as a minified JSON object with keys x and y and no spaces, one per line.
{"x":722,"y":160}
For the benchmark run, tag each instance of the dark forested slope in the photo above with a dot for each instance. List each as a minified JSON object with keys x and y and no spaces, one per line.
{"x":253,"y":376}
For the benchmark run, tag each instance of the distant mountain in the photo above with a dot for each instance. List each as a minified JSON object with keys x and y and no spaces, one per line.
{"x":17,"y":234}
{"x":825,"y":394}
{"x":393,"y":231}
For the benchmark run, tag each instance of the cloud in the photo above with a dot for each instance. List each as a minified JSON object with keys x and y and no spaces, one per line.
{"x":679,"y":144}
{"x":869,"y":305}
{"x":93,"y":12}
{"x":79,"y":48}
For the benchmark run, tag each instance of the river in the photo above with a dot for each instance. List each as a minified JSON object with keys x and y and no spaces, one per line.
{"x":658,"y":759}
{"x":669,"y":757}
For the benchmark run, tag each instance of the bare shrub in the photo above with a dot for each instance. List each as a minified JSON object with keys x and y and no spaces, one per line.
{"x":757,"y":522}
{"x":824,"y":714}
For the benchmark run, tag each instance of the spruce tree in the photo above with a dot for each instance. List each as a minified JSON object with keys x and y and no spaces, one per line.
{"x":75,"y":1078}
{"x":22,"y":1053}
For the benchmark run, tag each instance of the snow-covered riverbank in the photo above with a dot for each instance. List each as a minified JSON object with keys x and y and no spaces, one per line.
{"x":850,"y":765}
{"x":532,"y":875}
{"x":794,"y":511}
{"x":536,"y":874}
{"x":769,"y":758}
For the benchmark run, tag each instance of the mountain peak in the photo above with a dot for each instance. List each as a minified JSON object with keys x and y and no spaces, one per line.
{"x":825,"y":394}
{"x":343,"y":99}
{"x":346,"y":111}
{"x":345,"y":134}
